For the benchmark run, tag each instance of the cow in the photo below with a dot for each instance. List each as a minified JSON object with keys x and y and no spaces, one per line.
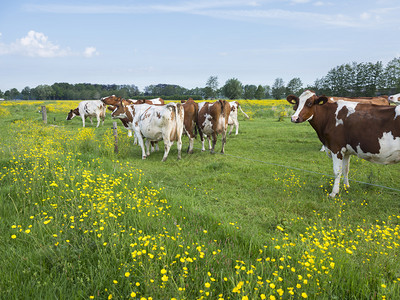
{"x":190,"y":125}
{"x":233,"y":116}
{"x":155,"y":123}
{"x":394,"y":99}
{"x":346,"y":128}
{"x":89,"y":108}
{"x":379,"y":100}
{"x":213,"y":120}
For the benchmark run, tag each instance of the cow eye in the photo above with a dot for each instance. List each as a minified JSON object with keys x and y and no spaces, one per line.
{"x":309,"y":104}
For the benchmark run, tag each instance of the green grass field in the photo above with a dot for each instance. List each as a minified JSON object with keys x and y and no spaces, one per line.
{"x":80,"y":222}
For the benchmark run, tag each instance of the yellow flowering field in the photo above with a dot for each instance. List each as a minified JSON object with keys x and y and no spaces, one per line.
{"x":79,"y":221}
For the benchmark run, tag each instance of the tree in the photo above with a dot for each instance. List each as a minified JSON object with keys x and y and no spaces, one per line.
{"x":43,"y":92}
{"x":26,"y":93}
{"x":294,"y":86}
{"x":211,"y":87}
{"x":260,"y":92}
{"x":233,"y":89}
{"x":268,"y":92}
{"x":391,"y":77}
{"x":278,"y":89}
{"x":249,"y":91}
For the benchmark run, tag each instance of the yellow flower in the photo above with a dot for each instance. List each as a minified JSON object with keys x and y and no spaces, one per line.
{"x":383,"y":285}
{"x":163,"y":271}
{"x":272,"y":286}
{"x":13,"y":236}
{"x":127,"y":274}
{"x":263,"y":297}
{"x":207,"y":285}
{"x":164,"y":278}
{"x":272,"y":297}
{"x":304,"y":295}
{"x":133,"y":294}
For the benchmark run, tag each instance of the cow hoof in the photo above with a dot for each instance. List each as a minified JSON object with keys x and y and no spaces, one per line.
{"x":144,"y":157}
{"x":332,"y":195}
{"x":190,"y":151}
{"x":164,"y":159}
{"x":212,"y":151}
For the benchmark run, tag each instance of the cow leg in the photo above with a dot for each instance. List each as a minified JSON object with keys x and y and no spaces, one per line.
{"x":167,"y":147}
{"x":91,"y":121}
{"x":190,"y":148}
{"x":337,"y":170}
{"x":346,"y":168}
{"x":202,"y":142}
{"x":147,"y":147}
{"x":223,"y":142}
{"x":237,"y":127}
{"x":83,"y":121}
{"x":214,"y":141}
{"x":230,"y":129}
{"x":139,"y":137}
{"x":130,"y":134}
{"x":98,"y":120}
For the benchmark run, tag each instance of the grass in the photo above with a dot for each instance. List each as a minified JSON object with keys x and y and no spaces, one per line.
{"x":78,"y":221}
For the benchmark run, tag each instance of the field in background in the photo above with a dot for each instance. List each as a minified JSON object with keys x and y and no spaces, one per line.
{"x":78,"y":221}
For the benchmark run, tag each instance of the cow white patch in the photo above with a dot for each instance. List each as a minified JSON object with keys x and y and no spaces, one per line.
{"x":351,"y":108}
{"x":207,"y":125}
{"x":389,"y":152}
{"x":397,"y":112}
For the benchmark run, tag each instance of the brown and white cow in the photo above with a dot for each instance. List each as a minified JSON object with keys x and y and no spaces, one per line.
{"x":394,"y":99}
{"x":233,"y":116}
{"x":378,"y":100}
{"x":347,"y":128}
{"x":191,"y":110}
{"x":213,"y":120}
{"x":89,"y":108}
{"x":155,"y":123}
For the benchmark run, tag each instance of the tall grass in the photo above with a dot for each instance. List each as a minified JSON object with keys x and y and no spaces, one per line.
{"x":79,"y":221}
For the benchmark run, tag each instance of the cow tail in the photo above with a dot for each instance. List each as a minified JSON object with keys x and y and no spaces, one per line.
{"x":243,"y":111}
{"x":179,"y":111}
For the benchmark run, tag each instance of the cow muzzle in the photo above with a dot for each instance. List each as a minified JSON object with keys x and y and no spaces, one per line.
{"x":296,"y":119}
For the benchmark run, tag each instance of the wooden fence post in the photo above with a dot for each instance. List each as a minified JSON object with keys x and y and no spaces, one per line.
{"x":44,"y":114}
{"x":115,"y":132}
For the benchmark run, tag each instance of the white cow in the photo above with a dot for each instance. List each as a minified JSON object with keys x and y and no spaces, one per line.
{"x":233,"y":116}
{"x":394,"y":99}
{"x":155,"y":123}
{"x":89,"y":108}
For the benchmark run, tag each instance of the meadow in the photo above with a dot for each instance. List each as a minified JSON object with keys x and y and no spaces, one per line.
{"x":78,"y":221}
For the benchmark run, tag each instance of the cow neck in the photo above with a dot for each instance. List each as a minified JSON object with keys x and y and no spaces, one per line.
{"x":322,"y":115}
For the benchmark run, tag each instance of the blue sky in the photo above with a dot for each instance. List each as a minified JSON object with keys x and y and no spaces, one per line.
{"x":145,"y":42}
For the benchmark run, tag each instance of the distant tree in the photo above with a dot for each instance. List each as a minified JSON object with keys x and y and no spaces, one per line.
{"x":391,"y":76}
{"x":260,"y":92}
{"x":43,"y":92}
{"x":12,"y":94}
{"x":1,"y":94}
{"x":294,"y":87}
{"x":268,"y":92}
{"x":278,"y":89}
{"x":211,"y":87}
{"x":233,"y":89}
{"x":249,"y":91}
{"x":26,"y":93}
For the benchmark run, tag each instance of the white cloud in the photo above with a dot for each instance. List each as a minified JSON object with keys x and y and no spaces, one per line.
{"x":37,"y":44}
{"x":34,"y":44}
{"x":90,"y":52}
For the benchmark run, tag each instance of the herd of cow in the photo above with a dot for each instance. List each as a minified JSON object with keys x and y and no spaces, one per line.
{"x":368,"y":127}
{"x":153,"y":120}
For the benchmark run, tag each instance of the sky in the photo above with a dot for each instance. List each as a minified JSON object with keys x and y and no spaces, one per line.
{"x":145,"y":42}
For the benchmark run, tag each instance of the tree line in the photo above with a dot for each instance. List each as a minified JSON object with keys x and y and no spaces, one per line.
{"x":351,"y":79}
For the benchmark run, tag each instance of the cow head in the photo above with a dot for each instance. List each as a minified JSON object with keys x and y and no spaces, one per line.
{"x":72,"y":113}
{"x":111,"y":100}
{"x":305,"y":105}
{"x":394,"y":99}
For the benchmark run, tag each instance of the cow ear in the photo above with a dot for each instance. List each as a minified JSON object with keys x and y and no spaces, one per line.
{"x":321,"y":100}
{"x":292,"y":99}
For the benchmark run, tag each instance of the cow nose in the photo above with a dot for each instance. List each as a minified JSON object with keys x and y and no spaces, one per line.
{"x":295,"y":119}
